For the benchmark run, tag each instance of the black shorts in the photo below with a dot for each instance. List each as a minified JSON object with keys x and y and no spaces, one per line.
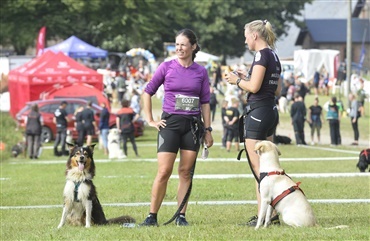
{"x":90,"y":131}
{"x":261,"y":123}
{"x":181,"y":132}
{"x":232,"y":134}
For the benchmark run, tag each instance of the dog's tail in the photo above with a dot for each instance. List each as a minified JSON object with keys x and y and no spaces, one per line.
{"x":122,"y":219}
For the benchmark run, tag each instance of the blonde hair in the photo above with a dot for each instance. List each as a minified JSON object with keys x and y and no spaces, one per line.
{"x":264,"y":30}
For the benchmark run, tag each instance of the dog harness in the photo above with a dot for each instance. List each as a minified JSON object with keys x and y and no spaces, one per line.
{"x":77,"y":185}
{"x":290,"y":190}
{"x":366,"y":153}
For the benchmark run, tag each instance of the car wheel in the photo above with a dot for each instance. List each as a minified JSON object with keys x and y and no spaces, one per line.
{"x":46,"y":134}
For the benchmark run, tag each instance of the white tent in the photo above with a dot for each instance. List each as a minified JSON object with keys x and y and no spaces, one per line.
{"x":201,"y":56}
{"x":307,"y":61}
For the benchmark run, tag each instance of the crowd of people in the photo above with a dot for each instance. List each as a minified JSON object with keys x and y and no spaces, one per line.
{"x":292,"y":100}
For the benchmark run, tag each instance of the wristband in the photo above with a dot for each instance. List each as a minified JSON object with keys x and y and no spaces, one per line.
{"x":238,"y":82}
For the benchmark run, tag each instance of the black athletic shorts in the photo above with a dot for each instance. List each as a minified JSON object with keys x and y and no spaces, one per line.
{"x":261,"y":122}
{"x":181,"y":132}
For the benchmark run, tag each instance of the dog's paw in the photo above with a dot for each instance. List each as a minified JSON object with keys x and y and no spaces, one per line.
{"x":87,"y":226}
{"x":60,"y":225}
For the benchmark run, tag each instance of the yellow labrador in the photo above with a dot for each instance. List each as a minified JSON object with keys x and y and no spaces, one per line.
{"x":278,"y":190}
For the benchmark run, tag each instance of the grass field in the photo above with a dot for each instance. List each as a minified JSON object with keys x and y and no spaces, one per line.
{"x":31,"y":194}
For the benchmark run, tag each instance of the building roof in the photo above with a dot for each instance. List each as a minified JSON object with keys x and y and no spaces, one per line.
{"x":334,"y":30}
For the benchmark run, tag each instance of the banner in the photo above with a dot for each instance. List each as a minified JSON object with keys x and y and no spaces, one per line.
{"x":40,"y":42}
{"x":362,"y":56}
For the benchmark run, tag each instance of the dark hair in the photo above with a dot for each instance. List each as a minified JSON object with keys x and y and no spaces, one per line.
{"x":125,"y":103}
{"x":334,"y":99}
{"x":64,"y":103}
{"x":192,"y":39}
{"x":35,"y":107}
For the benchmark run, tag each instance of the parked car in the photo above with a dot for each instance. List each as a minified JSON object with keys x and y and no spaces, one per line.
{"x":47,"y":108}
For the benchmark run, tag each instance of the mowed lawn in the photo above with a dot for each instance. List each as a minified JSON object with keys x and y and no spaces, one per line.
{"x":223,"y":195}
{"x":31,"y":197}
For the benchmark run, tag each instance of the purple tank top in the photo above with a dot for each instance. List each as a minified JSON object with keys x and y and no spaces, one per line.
{"x":185,"y":89}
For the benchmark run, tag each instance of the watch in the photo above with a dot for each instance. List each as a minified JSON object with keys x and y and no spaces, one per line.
{"x":209,"y":129}
{"x":238,"y":82}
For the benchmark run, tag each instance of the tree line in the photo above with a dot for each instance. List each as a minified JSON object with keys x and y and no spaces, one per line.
{"x":119,"y":25}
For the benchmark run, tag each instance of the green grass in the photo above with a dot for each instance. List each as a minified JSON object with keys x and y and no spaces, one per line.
{"x":24,"y":183}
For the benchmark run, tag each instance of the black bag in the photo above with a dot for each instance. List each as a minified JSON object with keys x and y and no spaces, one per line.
{"x":282,"y":140}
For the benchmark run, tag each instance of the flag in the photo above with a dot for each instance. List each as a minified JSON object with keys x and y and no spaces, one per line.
{"x":362,"y":56}
{"x":40,"y":42}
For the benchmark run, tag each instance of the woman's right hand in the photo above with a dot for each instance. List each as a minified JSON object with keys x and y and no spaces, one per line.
{"x":157,"y":124}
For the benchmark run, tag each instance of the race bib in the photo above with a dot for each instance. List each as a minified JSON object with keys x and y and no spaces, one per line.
{"x":187,"y":103}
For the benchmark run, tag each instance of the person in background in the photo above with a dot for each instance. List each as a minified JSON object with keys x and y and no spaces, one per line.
{"x":341,"y":73}
{"x":316,"y":82}
{"x":224,"y":126}
{"x":79,"y":126}
{"x":217,"y":79}
{"x":213,"y":102}
{"x":264,"y":84}
{"x":361,"y":96}
{"x":301,"y":88}
{"x":33,"y":124}
{"x":315,"y":120}
{"x":298,"y":115}
{"x":61,"y":121}
{"x":333,"y":117}
{"x":104,"y":126}
{"x":135,"y":102}
{"x":89,"y":124}
{"x":121,"y":85}
{"x":186,"y":99}
{"x":231,"y":119}
{"x":125,"y":120}
{"x":354,"y":113}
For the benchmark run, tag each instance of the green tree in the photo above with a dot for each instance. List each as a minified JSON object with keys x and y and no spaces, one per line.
{"x":220,"y":24}
{"x":118,"y":25}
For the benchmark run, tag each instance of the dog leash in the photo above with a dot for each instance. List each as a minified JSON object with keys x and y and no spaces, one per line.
{"x":241,"y":139}
{"x":249,"y":161}
{"x":192,"y":170}
{"x":186,"y":197}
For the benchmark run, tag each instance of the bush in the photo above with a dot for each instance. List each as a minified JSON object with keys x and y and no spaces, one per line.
{"x":9,"y":134}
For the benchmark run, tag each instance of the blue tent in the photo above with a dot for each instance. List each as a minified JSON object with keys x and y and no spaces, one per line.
{"x":76,"y":48}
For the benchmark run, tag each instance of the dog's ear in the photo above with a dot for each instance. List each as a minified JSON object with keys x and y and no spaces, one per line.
{"x":91,"y":147}
{"x":70,"y":145}
{"x":259,"y":147}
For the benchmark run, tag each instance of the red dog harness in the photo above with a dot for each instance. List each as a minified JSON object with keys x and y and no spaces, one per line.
{"x":283,"y":194}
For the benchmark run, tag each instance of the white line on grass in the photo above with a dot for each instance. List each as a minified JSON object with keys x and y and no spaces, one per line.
{"x":308,"y":159}
{"x":230,"y":176}
{"x":299,"y":175}
{"x":331,"y":201}
{"x":329,"y":149}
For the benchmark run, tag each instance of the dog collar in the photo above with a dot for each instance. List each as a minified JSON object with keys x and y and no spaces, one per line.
{"x":265,"y":174}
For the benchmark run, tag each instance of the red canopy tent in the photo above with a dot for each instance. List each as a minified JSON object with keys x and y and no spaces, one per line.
{"x":28,"y":81}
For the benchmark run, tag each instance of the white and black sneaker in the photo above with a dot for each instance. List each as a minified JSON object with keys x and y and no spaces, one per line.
{"x":150,"y":221}
{"x":181,"y":221}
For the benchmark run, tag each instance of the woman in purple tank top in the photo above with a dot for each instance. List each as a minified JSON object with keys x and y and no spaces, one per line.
{"x":185,"y":103}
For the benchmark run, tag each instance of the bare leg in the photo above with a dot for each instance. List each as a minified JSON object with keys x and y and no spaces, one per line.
{"x":165,"y":166}
{"x":255,"y":162}
{"x":187,"y":159}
